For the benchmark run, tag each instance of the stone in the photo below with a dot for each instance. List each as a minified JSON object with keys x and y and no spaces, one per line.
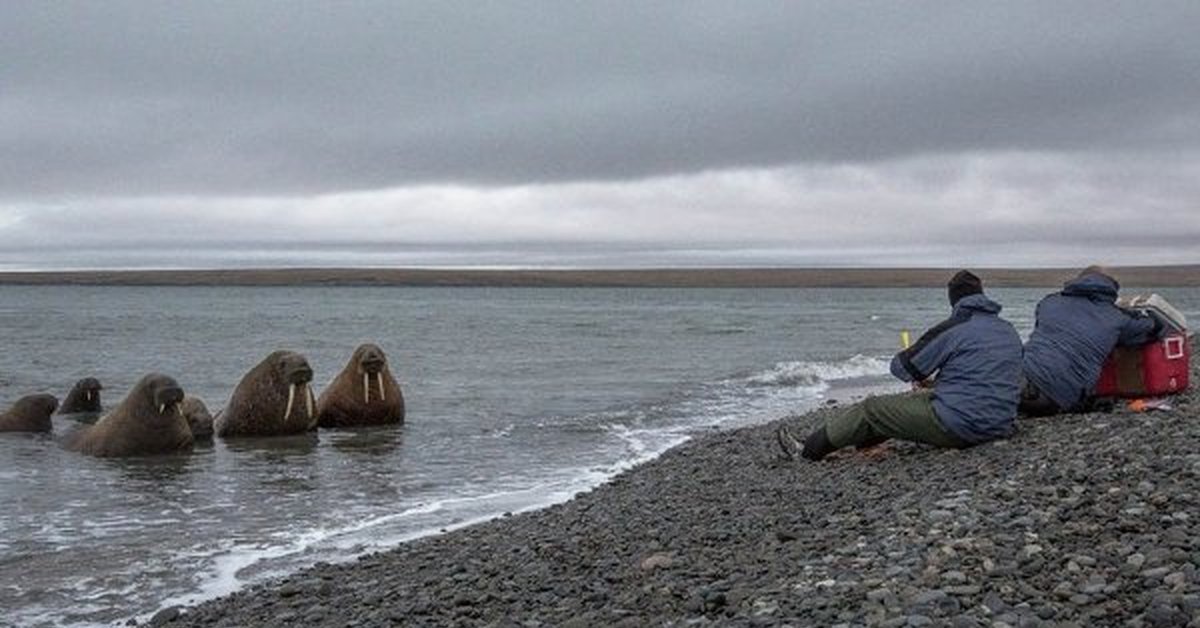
{"x":165,"y":616}
{"x":928,"y":598}
{"x":658,"y":561}
{"x":1157,"y":573}
{"x":954,"y":577}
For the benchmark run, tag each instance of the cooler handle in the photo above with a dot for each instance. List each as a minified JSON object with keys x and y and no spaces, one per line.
{"x":1174,"y":347}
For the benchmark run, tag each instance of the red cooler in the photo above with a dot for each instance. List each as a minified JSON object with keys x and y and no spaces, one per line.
{"x":1159,"y":368}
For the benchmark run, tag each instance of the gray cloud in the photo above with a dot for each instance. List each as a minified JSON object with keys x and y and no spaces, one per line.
{"x":1015,"y":208}
{"x":128,"y":99}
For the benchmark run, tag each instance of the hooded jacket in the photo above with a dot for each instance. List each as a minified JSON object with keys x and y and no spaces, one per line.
{"x":1076,"y":330}
{"x":977,"y":358}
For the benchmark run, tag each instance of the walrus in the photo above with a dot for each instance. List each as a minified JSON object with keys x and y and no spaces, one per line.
{"x":265,"y":402}
{"x":29,"y":414}
{"x":84,"y":398}
{"x":148,"y":421}
{"x":364,"y":393}
{"x":199,"y":419}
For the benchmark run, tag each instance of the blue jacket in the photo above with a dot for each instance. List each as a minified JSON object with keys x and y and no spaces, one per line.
{"x":1076,"y":330}
{"x":977,"y":358}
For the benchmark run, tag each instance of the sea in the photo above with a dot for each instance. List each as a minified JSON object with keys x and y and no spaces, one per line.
{"x":518,"y":398}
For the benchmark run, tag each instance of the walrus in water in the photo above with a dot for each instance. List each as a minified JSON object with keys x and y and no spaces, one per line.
{"x":275,"y":398}
{"x":147,"y":422}
{"x":364,"y":393}
{"x":29,"y":414}
{"x":84,"y":398}
{"x":198,"y":417}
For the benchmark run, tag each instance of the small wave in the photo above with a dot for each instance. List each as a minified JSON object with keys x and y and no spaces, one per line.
{"x":813,"y":374}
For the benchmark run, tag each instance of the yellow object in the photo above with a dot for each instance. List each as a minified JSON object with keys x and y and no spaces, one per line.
{"x":905,"y":340}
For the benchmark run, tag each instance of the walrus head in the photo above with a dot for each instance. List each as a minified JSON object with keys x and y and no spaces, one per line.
{"x":37,"y":405}
{"x":200,"y":421}
{"x":84,"y":397}
{"x":371,"y":363}
{"x":33,"y":412}
{"x":163,"y":393}
{"x":292,"y":370}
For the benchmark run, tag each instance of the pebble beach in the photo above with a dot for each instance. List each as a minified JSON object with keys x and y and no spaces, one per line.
{"x":1084,"y":520}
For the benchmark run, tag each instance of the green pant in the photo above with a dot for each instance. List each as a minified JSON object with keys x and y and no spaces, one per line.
{"x":907,"y":416}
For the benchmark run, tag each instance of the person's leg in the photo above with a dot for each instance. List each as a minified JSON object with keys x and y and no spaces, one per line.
{"x":907,"y":416}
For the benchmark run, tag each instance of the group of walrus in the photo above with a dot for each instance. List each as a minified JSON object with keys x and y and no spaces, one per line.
{"x":274,"y":399}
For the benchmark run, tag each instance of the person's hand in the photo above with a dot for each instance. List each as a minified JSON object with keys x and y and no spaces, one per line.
{"x":923,"y":384}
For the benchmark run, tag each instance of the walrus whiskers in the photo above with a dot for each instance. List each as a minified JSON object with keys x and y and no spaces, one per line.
{"x":291,"y":400}
{"x":379,"y":378}
{"x":366,"y":388}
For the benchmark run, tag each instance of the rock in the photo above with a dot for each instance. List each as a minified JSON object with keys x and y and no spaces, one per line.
{"x":881,"y":595}
{"x":940,"y":515}
{"x":927,"y":598}
{"x":994,"y":604}
{"x":954,"y":577}
{"x":1157,"y":573}
{"x":658,"y":561}
{"x":715,"y":600}
{"x":165,"y":616}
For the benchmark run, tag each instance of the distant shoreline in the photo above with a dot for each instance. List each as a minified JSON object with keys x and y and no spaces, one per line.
{"x":1182,"y":275}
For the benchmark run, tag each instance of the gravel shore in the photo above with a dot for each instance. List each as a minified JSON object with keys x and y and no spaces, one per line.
{"x":1084,"y":520}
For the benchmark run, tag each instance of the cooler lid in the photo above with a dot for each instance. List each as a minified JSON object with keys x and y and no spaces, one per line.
{"x":1156,"y":306}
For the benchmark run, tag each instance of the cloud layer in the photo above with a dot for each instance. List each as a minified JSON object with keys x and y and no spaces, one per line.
{"x":799,"y":132}
{"x":1008,"y":209}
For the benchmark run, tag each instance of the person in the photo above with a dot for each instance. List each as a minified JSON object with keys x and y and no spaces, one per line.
{"x":972,"y":361}
{"x":1074,"y":332}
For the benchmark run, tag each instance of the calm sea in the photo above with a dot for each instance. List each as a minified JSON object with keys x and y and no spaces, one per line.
{"x":517,"y":398}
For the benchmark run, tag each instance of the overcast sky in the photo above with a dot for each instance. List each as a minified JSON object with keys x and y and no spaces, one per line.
{"x":137,"y":134}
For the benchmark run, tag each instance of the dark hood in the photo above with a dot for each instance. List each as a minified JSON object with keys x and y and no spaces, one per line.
{"x":1096,"y":286}
{"x":977,"y":303}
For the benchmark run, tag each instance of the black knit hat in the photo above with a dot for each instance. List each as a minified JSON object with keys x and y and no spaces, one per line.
{"x":963,"y":283}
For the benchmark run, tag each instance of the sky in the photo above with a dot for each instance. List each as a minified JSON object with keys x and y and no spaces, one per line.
{"x":598,"y":134}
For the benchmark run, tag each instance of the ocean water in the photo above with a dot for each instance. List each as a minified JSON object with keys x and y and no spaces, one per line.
{"x":517,"y":398}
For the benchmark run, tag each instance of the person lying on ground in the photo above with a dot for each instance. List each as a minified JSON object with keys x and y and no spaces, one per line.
{"x":1074,"y":332}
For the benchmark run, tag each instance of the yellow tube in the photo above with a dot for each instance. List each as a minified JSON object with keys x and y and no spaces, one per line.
{"x":905,"y":340}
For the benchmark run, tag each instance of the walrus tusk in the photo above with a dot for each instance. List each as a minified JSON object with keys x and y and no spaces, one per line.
{"x":308,"y":399}
{"x":291,"y":400}
{"x":366,"y":388}
{"x":162,"y":407}
{"x":179,"y":409}
{"x":89,"y":395}
{"x":382,"y":395}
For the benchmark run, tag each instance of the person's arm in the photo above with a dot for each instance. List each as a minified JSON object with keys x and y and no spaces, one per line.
{"x":920,"y":361}
{"x":1139,"y":330}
